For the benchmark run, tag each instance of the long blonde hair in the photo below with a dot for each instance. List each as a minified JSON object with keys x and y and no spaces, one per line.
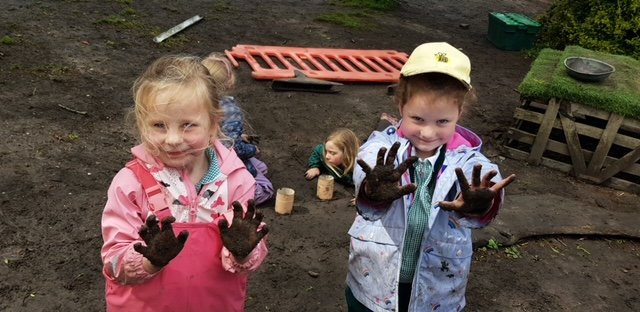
{"x":347,"y":141}
{"x":179,"y":72}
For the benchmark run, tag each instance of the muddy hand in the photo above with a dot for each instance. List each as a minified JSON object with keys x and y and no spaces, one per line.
{"x":161,"y":244}
{"x":476,"y":198}
{"x":243,"y":235}
{"x":382,"y":182}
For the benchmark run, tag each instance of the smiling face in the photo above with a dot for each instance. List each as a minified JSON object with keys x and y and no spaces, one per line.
{"x":332,"y":154}
{"x":429,"y":120}
{"x":179,"y":128}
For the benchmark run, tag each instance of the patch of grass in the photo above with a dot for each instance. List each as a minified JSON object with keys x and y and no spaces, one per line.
{"x":378,"y":5}
{"x":125,"y":2}
{"x":493,"y":244}
{"x":69,"y":138}
{"x":8,"y":40}
{"x":119,"y":21}
{"x":55,"y":72}
{"x":356,"y":13}
{"x":129,"y":11}
{"x":619,"y":94}
{"x":73,"y":136}
{"x":349,"y":20}
{"x":513,"y":252}
{"x":174,"y":41}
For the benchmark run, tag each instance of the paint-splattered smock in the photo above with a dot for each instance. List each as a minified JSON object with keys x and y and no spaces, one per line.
{"x":377,"y":234}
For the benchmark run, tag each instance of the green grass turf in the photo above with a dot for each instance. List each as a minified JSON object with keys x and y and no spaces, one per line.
{"x":620,"y":93}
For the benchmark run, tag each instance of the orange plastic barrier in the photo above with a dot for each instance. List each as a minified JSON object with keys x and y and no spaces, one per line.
{"x":271,"y":62}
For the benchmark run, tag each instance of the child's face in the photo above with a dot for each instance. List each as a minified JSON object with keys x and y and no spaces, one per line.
{"x":332,"y":154}
{"x":181,"y":130}
{"x":429,"y":121}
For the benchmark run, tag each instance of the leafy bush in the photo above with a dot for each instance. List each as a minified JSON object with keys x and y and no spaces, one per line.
{"x":600,"y":25}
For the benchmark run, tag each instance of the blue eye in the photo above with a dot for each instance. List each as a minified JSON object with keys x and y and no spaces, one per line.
{"x":158,"y":125}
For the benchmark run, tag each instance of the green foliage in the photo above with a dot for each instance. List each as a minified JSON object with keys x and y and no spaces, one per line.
{"x":8,"y":40}
{"x":513,"y":252}
{"x":600,"y":25}
{"x":493,"y":244}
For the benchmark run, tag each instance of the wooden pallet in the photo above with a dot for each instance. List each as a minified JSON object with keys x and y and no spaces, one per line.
{"x":593,"y":145}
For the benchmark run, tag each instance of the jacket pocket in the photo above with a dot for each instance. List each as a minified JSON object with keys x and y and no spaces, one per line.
{"x":443,"y":274}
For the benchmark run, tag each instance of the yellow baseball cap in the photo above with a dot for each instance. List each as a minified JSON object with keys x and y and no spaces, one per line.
{"x":439,"y":57}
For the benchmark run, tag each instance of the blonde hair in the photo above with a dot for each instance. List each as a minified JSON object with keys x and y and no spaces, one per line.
{"x":441,"y":84}
{"x":224,"y":78}
{"x":221,"y":72}
{"x":347,"y":141}
{"x":182,"y":74}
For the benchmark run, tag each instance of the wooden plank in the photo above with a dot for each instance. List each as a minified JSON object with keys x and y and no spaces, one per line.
{"x":561,"y":148}
{"x":573,"y":142}
{"x":605,"y":143}
{"x":527,"y":115}
{"x":582,"y":129}
{"x":574,"y":121}
{"x":616,"y":183}
{"x":622,"y":163}
{"x":624,"y":185}
{"x":540,"y":143}
{"x":629,"y":124}
{"x":553,"y":164}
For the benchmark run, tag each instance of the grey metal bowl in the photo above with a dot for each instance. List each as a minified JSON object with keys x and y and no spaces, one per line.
{"x":588,"y":69}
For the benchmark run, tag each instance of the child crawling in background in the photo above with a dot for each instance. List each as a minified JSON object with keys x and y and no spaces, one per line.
{"x":233,"y":125}
{"x":337,"y":157}
{"x":180,"y":228}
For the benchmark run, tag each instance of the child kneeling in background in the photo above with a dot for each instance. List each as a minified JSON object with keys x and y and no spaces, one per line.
{"x":336,"y":156}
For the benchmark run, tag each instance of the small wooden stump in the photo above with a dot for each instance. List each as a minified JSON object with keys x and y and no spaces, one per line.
{"x":593,"y":145}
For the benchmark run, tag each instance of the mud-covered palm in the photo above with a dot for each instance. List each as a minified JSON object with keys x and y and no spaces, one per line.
{"x":161,"y":244}
{"x":382,"y":182}
{"x":243,"y":235}
{"x":476,"y":198}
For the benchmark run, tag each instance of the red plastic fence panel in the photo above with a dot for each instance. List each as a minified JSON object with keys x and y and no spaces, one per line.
{"x":273,"y":62}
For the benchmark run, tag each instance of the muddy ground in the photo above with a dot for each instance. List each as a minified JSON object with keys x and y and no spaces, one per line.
{"x":65,"y":81}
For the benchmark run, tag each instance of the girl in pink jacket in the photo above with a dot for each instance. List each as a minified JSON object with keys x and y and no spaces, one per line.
{"x":180,"y":228}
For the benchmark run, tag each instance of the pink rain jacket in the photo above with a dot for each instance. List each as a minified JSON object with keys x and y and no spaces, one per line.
{"x":204,"y":276}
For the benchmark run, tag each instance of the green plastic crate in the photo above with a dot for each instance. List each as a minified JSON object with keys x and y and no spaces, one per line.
{"x":512,"y":31}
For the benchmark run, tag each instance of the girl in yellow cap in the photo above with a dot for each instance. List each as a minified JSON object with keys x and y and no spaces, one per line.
{"x":411,"y":243}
